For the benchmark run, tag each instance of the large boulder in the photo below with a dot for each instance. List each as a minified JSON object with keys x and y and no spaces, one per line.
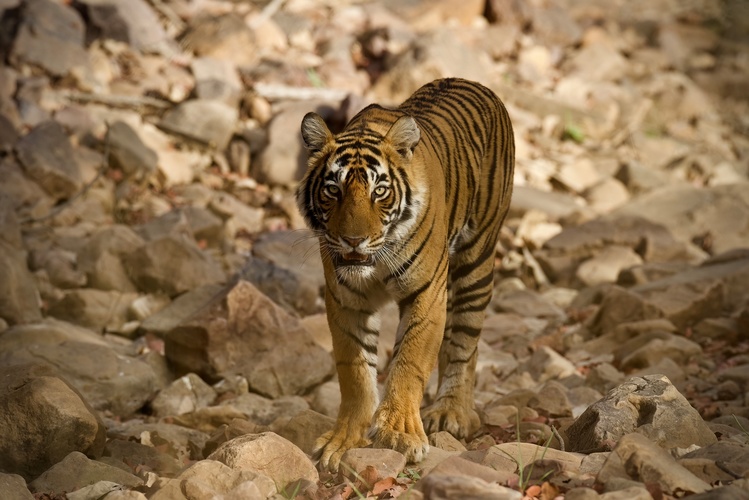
{"x":44,"y":419}
{"x":241,"y":331}
{"x":649,"y":405}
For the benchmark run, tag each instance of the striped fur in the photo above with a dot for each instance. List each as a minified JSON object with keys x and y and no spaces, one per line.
{"x":407,"y":204}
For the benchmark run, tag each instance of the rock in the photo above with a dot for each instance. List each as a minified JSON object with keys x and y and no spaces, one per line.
{"x":527,"y":303}
{"x":547,"y":364}
{"x":45,"y":419}
{"x":136,"y":456}
{"x":101,"y":257}
{"x":387,"y":463}
{"x":172,"y":265}
{"x":441,"y":487}
{"x":256,"y":338}
{"x":19,"y":298}
{"x":647,"y":462}
{"x":551,"y":401}
{"x":466,"y":465}
{"x":216,"y":79}
{"x":14,"y":487}
{"x":268,"y":454}
{"x":561,"y":255}
{"x":96,"y":309}
{"x":678,"y":349}
{"x":445,"y":441}
{"x":226,"y":37}
{"x":97,"y":490}
{"x":264,"y":411}
{"x":286,"y":249}
{"x":184,"y":395}
{"x":438,"y":54}
{"x":128,"y":153}
{"x":283,"y":161}
{"x":692,"y":212}
{"x":555,"y":205}
{"x":296,"y":292}
{"x":181,"y":309}
{"x":47,"y":156}
{"x":58,"y":47}
{"x":240,"y":219}
{"x":210,"y":477}
{"x":724,"y":458}
{"x":424,"y":15}
{"x":326,"y":397}
{"x":651,"y":406}
{"x":606,"y":265}
{"x":554,"y":25}
{"x":206,"y":121}
{"x":304,"y":428}
{"x":107,"y":380}
{"x":598,"y":62}
{"x":175,"y":440}
{"x":76,"y":471}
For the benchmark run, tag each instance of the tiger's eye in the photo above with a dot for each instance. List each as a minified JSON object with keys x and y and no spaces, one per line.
{"x":333,"y":190}
{"x":381,"y":191}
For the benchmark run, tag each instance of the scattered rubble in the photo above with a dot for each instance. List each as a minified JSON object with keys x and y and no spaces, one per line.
{"x":162,"y":326}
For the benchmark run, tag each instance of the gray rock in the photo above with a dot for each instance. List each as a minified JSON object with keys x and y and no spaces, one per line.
{"x":181,"y":309}
{"x":206,"y":121}
{"x":264,"y":411}
{"x":305,"y":428}
{"x":270,"y":455}
{"x":180,"y":442}
{"x":128,"y":153}
{"x":644,"y":461}
{"x":131,"y":455}
{"x":47,"y":156}
{"x":287,"y":249}
{"x":76,"y":471}
{"x":557,"y":206}
{"x":171,"y":223}
{"x":693,"y":212}
{"x":222,"y":37}
{"x":96,"y":309}
{"x":387,"y":463}
{"x":240,"y":218}
{"x":186,"y":394}
{"x":44,"y":420}
{"x":256,"y":338}
{"x":209,"y":478}
{"x":295,"y":292}
{"x":49,"y":35}
{"x":216,"y":79}
{"x":107,"y":380}
{"x":443,"y":487}
{"x":101,"y":257}
{"x":527,"y":303}
{"x":607,"y":264}
{"x":651,"y":406}
{"x":14,"y":487}
{"x":172,"y":265}
{"x":19,"y":298}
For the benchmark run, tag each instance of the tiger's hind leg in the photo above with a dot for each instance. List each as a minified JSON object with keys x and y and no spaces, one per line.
{"x":471,"y":286}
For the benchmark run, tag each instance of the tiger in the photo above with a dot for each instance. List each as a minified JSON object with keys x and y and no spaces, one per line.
{"x":407,"y":204}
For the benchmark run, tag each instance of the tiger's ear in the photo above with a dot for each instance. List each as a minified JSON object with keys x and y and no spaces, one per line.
{"x":404,"y":135}
{"x":314,"y":132}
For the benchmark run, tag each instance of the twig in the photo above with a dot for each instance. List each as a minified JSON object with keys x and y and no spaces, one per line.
{"x":277,"y":92}
{"x":116,"y":100}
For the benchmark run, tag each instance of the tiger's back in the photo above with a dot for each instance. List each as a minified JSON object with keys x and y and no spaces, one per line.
{"x":408,"y":204}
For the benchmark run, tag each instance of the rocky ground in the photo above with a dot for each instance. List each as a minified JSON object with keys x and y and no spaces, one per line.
{"x":162,"y":333}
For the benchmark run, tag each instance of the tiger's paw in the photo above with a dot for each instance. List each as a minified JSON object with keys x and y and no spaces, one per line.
{"x":445,"y":415}
{"x":402,"y":433}
{"x":330,"y":447}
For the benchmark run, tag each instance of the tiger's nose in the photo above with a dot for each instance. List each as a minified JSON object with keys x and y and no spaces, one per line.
{"x":353,"y":240}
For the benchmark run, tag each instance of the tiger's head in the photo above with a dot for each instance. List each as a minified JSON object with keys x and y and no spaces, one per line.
{"x":359,"y":193}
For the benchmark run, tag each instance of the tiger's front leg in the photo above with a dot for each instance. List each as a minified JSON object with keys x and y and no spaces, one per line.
{"x":397,"y":424}
{"x":355,"y":334}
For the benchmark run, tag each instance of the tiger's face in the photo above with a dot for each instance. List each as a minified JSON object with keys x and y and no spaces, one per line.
{"x":357,"y":194}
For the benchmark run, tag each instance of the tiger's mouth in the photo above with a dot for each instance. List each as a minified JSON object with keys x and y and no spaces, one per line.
{"x":355,"y":259}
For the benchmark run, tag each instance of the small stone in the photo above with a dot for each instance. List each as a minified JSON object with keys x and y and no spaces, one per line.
{"x":605,"y":266}
{"x":47,"y":156}
{"x":387,"y":463}
{"x":443,"y":487}
{"x":134,"y":455}
{"x":172,"y":265}
{"x":445,"y":441}
{"x":607,"y":195}
{"x":96,"y":309}
{"x":551,"y":401}
{"x":216,"y":79}
{"x":214,"y":478}
{"x":465,"y":466}
{"x":650,"y":463}
{"x":19,"y":299}
{"x":224,"y":37}
{"x":186,"y":394}
{"x":304,"y":428}
{"x":128,"y":152}
{"x":268,"y":454}
{"x":206,"y":121}
{"x":547,"y":364}
{"x":76,"y":471}
{"x":264,"y":411}
{"x":14,"y":487}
